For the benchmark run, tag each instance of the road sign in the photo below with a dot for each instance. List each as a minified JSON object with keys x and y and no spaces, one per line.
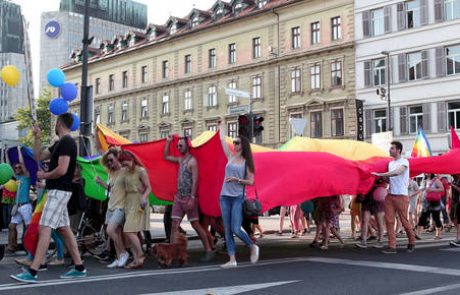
{"x":52,"y":29}
{"x":236,"y":92}
{"x":238,"y":109}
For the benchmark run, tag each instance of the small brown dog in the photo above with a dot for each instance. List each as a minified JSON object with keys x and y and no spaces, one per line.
{"x":166,"y":253}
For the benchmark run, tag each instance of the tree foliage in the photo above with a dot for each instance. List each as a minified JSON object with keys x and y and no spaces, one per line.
{"x":24,"y":116}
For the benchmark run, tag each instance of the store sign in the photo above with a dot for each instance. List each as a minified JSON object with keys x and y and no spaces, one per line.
{"x":360,"y":119}
{"x":52,"y":29}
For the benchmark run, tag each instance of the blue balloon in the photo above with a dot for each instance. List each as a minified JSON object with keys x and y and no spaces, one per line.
{"x":76,"y":123}
{"x":69,"y":91}
{"x":56,"y":77}
{"x":58,"y":106}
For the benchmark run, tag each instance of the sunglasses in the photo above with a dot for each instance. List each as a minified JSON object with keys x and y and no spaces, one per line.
{"x":236,"y":142}
{"x":179,"y":146}
{"x":109,"y":160}
{"x":17,"y":167}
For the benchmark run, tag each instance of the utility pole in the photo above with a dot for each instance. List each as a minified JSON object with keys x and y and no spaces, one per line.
{"x":86,"y":97}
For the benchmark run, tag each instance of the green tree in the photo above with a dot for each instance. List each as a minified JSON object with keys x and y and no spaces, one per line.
{"x":24,"y":116}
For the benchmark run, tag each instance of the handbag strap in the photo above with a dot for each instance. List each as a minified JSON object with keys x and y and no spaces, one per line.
{"x":244,"y":186}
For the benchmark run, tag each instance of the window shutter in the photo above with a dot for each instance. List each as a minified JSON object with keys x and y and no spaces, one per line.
{"x":442,"y":116}
{"x":423,"y":12}
{"x":401,"y":9}
{"x":440,"y":53}
{"x":426,"y":117}
{"x":425,"y":69}
{"x":402,"y":66}
{"x":368,"y":119}
{"x":403,"y":120}
{"x":439,"y":11}
{"x":392,"y":121}
{"x":366,"y":24}
{"x":367,"y":74}
{"x":387,"y":21}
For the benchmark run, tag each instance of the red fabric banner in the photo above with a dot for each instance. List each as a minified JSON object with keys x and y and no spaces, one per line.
{"x":454,"y":140}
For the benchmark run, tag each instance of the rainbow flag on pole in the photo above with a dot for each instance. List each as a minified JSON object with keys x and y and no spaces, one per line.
{"x":421,"y":146}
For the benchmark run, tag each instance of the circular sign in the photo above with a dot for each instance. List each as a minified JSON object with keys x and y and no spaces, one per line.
{"x":52,"y":29}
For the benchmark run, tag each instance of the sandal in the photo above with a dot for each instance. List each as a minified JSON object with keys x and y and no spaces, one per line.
{"x":134,"y":265}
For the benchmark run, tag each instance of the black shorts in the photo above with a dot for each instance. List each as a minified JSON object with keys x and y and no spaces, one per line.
{"x":455,"y":213}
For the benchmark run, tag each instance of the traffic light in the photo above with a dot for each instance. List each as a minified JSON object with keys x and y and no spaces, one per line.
{"x":258,"y":128}
{"x":243,"y":126}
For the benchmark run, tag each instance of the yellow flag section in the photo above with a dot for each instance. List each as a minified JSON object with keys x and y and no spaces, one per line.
{"x":349,"y":149}
{"x":107,"y":138}
{"x":205,"y":136}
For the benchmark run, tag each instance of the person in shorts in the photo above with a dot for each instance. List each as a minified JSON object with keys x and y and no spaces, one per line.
{"x":63,"y":157}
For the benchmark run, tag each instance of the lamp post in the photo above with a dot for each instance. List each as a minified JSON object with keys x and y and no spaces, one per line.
{"x":387,"y":62}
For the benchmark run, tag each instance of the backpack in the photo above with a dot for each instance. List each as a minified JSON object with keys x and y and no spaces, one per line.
{"x":434,"y":197}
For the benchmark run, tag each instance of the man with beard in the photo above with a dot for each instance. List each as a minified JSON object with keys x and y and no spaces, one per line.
{"x":63,"y":156}
{"x":185,"y":201}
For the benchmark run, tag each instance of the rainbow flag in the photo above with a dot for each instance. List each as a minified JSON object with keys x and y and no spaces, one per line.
{"x":421,"y":146}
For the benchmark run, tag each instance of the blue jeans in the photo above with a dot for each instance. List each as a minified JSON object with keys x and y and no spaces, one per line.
{"x":6,"y":214}
{"x":232,"y":215}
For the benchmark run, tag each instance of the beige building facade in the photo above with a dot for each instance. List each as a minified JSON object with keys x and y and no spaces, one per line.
{"x":296,"y":58}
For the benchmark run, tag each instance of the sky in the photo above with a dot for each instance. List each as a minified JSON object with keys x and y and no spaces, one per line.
{"x":158,"y":12}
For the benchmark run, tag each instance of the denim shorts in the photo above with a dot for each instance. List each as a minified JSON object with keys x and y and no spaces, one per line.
{"x":115,"y":216}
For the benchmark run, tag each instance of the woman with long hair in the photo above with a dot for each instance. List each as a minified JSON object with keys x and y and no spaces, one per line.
{"x":239,"y":172}
{"x":431,"y":207}
{"x":137,"y":210}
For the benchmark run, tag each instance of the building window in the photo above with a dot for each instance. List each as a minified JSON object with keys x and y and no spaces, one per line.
{"x":295,"y":80}
{"x":232,"y":98}
{"x":165,"y":69}
{"x":380,"y":121}
{"x":195,"y":21}
{"x":173,"y":29}
{"x":124,"y":111}
{"x":257,"y":87}
{"x":144,"y":108}
{"x":315,"y":33}
{"x":165,"y":104}
{"x":111,"y":83}
{"x":336,"y":26}
{"x":413,"y":14}
{"x":97,"y":115}
{"x":212,"y":127}
{"x":315,"y":77}
{"x":379,"y":71}
{"x":143,"y":137}
{"x":110,"y":114}
{"x":256,"y":48}
{"x":144,"y":74}
{"x":377,"y":18}
{"x":98,"y":85}
{"x":164,"y":132}
{"x":453,"y":60}
{"x":292,"y":132}
{"x":261,"y":3}
{"x":188,"y":99}
{"x":125,"y":79}
{"x":316,"y":124}
{"x":337,"y":122}
{"x":232,"y":53}
{"x":212,"y":58}
{"x":336,"y":73}
{"x":237,"y":9}
{"x":212,"y":96}
{"x":295,"y":37}
{"x":188,"y":131}
{"x":188,"y":64}
{"x":452,"y":9}
{"x":414,"y":66}
{"x":415,"y":118}
{"x":454,"y":114}
{"x":232,"y":129}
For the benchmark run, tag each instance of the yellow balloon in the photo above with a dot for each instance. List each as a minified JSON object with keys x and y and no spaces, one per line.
{"x":11,"y":186}
{"x":11,"y":75}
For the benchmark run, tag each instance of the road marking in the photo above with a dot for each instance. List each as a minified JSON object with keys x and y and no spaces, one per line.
{"x":451,"y":249}
{"x":225,"y":290}
{"x":388,"y":265}
{"x":162,"y":272}
{"x":433,"y":290}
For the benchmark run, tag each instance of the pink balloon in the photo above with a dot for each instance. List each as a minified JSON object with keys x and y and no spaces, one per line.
{"x":380,"y":194}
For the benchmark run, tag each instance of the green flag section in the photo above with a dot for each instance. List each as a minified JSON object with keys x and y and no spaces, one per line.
{"x":92,"y":168}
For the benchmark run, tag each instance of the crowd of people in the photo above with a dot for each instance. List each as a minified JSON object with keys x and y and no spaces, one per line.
{"x":395,"y":205}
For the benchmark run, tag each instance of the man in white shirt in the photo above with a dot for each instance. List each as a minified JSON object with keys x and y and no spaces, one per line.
{"x":397,"y":201}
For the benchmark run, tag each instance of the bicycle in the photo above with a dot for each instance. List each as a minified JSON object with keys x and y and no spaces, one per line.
{"x":91,"y":238}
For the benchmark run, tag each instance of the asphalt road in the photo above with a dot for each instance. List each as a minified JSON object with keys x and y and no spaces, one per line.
{"x":286,"y":266}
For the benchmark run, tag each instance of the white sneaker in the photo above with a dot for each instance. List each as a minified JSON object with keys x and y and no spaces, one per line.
{"x":255,"y":254}
{"x":230,"y":264}
{"x":113,"y":264}
{"x":123,"y":259}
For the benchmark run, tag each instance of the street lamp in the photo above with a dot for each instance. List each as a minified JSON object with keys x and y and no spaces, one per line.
{"x":387,"y":54}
